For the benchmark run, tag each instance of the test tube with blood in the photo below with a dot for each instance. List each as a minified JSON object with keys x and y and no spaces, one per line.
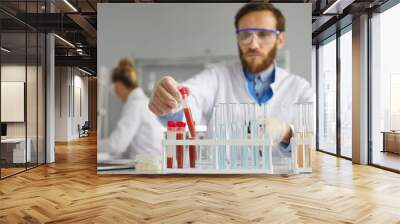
{"x":188,"y":114}
{"x":180,"y":135}
{"x":191,"y":125}
{"x":171,"y":135}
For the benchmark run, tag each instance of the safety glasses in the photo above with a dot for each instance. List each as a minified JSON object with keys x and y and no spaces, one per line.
{"x":265,"y":36}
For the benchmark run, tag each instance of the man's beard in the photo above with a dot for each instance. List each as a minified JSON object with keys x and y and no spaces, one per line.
{"x":266,"y":61}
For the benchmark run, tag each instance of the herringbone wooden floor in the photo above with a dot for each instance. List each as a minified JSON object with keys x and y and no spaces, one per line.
{"x":70,"y":191}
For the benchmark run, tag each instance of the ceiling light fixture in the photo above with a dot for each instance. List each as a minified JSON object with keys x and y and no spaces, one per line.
{"x":5,"y":50}
{"x":337,"y":7}
{"x":70,"y":5}
{"x":84,"y":71}
{"x":65,"y":41}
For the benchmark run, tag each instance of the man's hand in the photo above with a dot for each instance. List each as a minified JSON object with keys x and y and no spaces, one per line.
{"x":278,"y":130}
{"x":166,"y":97}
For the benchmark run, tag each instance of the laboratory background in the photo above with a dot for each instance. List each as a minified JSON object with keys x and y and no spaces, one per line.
{"x":63,"y":68}
{"x":159,"y":42}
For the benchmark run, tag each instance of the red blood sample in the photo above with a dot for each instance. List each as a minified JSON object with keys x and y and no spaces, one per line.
{"x":179,"y":148}
{"x":192,"y":156}
{"x":171,"y":134}
{"x":190,"y":122}
{"x":188,"y":114}
{"x":170,"y":161}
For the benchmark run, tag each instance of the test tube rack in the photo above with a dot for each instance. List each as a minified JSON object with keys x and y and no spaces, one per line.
{"x":241,"y":144}
{"x":299,"y":161}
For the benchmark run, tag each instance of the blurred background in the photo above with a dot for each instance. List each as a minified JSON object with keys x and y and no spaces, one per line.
{"x":180,"y":40}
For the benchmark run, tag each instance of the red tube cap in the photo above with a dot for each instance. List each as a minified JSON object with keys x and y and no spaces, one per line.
{"x":180,"y":124}
{"x":184,"y":91}
{"x":171,"y":124}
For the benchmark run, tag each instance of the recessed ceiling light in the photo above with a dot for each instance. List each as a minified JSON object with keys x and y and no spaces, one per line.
{"x":70,"y":5}
{"x":84,"y":71}
{"x":65,"y":41}
{"x":5,"y":50}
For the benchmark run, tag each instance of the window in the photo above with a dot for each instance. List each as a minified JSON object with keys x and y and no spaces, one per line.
{"x":385,"y":89}
{"x":327,"y":97}
{"x":346,"y":94}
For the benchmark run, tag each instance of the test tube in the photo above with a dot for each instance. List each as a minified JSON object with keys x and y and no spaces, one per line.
{"x":180,"y":135}
{"x":266,"y":148}
{"x":188,"y":114}
{"x":259,"y":133}
{"x":300,"y":135}
{"x":171,"y":135}
{"x":252,"y":132}
{"x":192,"y":155}
{"x":248,"y":120}
{"x":309,"y":132}
{"x":220,"y":133}
{"x":232,"y":134}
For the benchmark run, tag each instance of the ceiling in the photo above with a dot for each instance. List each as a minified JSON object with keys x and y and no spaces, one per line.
{"x":76,"y":22}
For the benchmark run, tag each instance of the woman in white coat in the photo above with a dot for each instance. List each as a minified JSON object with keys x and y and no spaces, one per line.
{"x":138,"y":131}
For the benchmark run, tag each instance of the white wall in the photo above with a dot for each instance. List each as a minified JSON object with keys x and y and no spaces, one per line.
{"x":12,"y":73}
{"x":68,"y":82}
{"x":189,"y":30}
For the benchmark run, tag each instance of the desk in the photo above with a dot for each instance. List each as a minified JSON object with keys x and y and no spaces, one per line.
{"x":13,"y":150}
{"x":391,"y":141}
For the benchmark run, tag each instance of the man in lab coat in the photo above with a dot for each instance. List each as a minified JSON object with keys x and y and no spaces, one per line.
{"x":260,"y":31}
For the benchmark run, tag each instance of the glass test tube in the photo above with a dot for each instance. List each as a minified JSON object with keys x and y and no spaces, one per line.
{"x":263,"y":133}
{"x":253,"y":127}
{"x":232,"y":135}
{"x":192,"y":155}
{"x":222,"y":118}
{"x":304,"y":134}
{"x":188,"y":114}
{"x":171,"y":135}
{"x":191,"y":126}
{"x":309,"y":132}
{"x":300,"y":135}
{"x":248,"y":115}
{"x":180,"y":135}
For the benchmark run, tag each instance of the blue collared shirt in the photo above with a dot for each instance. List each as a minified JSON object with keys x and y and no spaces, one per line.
{"x":259,"y":86}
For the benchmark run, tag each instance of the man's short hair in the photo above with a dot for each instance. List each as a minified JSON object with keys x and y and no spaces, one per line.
{"x":256,"y":7}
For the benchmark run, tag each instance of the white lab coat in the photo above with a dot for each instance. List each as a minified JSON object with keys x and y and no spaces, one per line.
{"x":226,"y":83}
{"x":138,"y":131}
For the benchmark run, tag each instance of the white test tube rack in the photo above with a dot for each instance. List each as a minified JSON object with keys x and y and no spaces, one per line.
{"x":261,"y":150}
{"x":265,"y":162}
{"x":212,"y":146}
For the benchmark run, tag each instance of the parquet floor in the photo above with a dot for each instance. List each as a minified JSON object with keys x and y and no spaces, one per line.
{"x":70,"y":191}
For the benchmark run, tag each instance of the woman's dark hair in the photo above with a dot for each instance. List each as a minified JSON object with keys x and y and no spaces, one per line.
{"x":255,"y":7}
{"x":125,"y":73}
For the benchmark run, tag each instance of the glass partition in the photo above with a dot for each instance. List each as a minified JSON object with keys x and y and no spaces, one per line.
{"x":23,"y":90}
{"x":346,"y":94}
{"x":385,"y":89}
{"x":327,"y":97}
{"x":15,"y":151}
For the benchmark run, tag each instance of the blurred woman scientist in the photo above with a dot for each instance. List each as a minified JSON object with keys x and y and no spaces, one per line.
{"x":138,"y":131}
